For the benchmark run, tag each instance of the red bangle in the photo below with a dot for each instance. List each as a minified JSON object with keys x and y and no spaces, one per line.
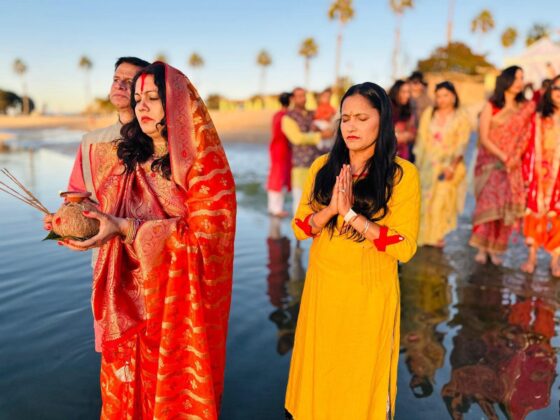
{"x":384,"y":240}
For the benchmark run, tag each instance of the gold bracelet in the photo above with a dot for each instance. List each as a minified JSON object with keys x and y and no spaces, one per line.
{"x":133,"y":225}
{"x":366,"y":228}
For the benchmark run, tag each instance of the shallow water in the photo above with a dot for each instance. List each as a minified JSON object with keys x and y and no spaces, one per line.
{"x":474,"y":338}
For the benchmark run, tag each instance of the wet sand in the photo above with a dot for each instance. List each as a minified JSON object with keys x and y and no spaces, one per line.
{"x":233,"y":126}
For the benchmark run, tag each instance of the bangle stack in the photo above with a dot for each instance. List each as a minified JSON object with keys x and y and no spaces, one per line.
{"x":133,"y":225}
{"x":365,"y":228}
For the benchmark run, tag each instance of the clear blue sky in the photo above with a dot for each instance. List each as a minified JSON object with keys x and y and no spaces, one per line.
{"x":51,"y":35}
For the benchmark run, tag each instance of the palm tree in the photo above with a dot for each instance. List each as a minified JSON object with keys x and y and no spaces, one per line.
{"x":308,"y":50}
{"x":20,"y":68}
{"x":342,"y":11}
{"x":86,"y":64}
{"x":398,"y":7}
{"x":536,"y":32}
{"x":509,"y":36}
{"x":264,"y":60}
{"x":196,"y":61}
{"x":482,"y":23}
{"x":161,"y":57}
{"x":450,"y":13}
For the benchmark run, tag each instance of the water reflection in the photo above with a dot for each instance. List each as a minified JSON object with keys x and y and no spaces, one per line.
{"x":476,"y":341}
{"x":285,"y":286}
{"x":425,"y":297}
{"x":502,"y":358}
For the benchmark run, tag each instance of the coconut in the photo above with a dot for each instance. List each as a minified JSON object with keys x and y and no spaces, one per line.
{"x":69,"y":221}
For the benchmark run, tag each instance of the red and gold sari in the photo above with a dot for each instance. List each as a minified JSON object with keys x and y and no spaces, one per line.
{"x":162,"y":303}
{"x":541,"y":224}
{"x":499,"y":194}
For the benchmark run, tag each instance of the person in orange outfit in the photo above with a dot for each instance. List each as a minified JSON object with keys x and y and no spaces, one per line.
{"x":162,"y":281}
{"x":542,"y":220}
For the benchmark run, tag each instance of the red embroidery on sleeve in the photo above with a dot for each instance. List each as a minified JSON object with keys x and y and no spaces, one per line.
{"x":305,"y":225}
{"x":384,"y":240}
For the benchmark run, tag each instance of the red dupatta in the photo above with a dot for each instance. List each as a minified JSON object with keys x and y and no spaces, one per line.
{"x":533,"y":167}
{"x":171,"y":289}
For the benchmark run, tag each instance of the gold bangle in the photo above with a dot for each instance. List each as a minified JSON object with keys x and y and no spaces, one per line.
{"x":365,"y":228}
{"x":133,"y":225}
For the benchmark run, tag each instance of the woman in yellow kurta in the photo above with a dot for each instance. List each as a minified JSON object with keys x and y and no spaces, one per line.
{"x":442,"y":138}
{"x":361,"y":205}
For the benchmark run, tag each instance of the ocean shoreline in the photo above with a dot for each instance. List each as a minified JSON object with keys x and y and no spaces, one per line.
{"x":236,"y":126}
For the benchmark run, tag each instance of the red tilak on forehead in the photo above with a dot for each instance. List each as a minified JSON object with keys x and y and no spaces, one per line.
{"x":142,"y":80}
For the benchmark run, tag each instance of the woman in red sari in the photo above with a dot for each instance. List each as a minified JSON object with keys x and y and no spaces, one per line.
{"x":505,"y":128}
{"x":404,"y":119}
{"x":162,"y":281}
{"x":541,"y":224}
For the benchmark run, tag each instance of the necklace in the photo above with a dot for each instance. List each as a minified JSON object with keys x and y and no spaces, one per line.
{"x":160,"y":150}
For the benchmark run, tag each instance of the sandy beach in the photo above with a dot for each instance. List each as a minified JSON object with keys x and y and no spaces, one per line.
{"x":233,"y":126}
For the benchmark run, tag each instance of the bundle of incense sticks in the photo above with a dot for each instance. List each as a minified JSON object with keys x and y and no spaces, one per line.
{"x":23,"y":194}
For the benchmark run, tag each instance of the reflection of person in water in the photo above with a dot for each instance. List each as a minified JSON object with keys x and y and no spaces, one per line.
{"x":278,"y":256}
{"x":531,"y":370}
{"x":284,"y":288}
{"x":502,"y":354}
{"x":425,"y":296}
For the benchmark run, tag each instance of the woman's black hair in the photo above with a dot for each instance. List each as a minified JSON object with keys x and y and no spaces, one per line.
{"x":373,"y":189}
{"x":546,"y":106}
{"x":447,"y":85}
{"x":401,"y":112}
{"x":135,"y":147}
{"x":503,"y":83}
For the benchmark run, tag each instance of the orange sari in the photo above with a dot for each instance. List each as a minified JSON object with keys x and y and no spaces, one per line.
{"x":541,"y":224}
{"x":162,"y":303}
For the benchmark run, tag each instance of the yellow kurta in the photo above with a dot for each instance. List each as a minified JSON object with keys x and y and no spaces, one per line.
{"x":344,"y":362}
{"x":442,"y":200}
{"x":296,"y":137}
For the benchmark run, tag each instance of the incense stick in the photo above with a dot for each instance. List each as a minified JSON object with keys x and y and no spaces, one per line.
{"x":26,"y":196}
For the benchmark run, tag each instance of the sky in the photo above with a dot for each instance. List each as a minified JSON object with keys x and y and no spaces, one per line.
{"x":50,"y":36}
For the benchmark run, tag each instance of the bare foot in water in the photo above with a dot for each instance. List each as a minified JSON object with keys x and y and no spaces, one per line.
{"x":554,"y":266}
{"x":496,"y":259}
{"x":529,"y":266}
{"x":481,"y":257}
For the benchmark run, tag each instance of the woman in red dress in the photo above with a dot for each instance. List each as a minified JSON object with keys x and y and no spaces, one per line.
{"x":279,"y":177}
{"x":505,"y":128}
{"x":403,"y":118}
{"x":162,"y":281}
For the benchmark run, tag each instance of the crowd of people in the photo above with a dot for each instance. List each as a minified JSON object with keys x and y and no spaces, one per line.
{"x":370,"y":182}
{"x":515,"y":180}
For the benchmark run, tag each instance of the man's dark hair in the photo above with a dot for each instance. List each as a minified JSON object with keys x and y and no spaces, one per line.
{"x":135,"y":61}
{"x":284,"y":98}
{"x":417,"y":76}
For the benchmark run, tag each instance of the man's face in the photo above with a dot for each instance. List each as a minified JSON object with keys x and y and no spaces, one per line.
{"x":298,"y":99}
{"x":416,"y":88}
{"x":122,"y":81}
